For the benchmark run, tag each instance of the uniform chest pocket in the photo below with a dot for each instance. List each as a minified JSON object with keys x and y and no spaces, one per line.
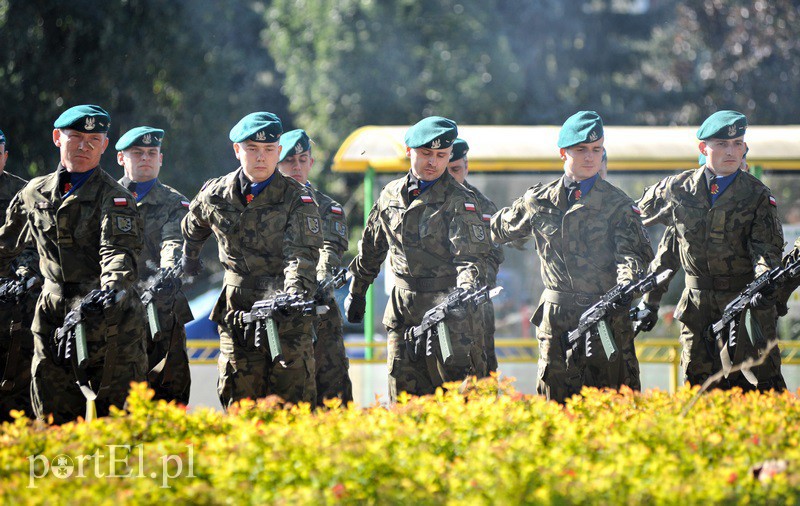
{"x":44,"y":218}
{"x":546,"y":221}
{"x":690,"y":221}
{"x":85,"y":219}
{"x":263,"y":228}
{"x":393,"y":217}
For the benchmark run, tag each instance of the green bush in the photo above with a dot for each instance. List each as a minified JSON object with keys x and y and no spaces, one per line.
{"x":490,"y":445}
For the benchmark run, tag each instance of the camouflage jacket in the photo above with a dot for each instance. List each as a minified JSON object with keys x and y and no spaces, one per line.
{"x":740,"y":235}
{"x":334,"y":234}
{"x":10,"y":185}
{"x":785,"y":290}
{"x":162,"y":210}
{"x":94,"y":234}
{"x":667,"y":257}
{"x":278,"y":234}
{"x":587,"y":248}
{"x":439,"y":234}
{"x":496,"y":257}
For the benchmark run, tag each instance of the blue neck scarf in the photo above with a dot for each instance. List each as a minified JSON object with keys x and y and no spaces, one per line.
{"x":719,"y":184}
{"x":256,"y":188}
{"x":143,"y":188}
{"x":76,"y":179}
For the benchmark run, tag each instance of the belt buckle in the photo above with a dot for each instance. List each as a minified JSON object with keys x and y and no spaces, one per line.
{"x":581,"y":299}
{"x":722,"y":283}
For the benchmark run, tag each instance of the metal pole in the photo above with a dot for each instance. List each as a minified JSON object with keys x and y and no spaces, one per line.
{"x":369,"y":316}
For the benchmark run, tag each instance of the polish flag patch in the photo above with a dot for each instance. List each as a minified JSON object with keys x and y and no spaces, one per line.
{"x":487,"y":217}
{"x":336,"y":210}
{"x":469,"y":206}
{"x":306,"y":199}
{"x":773,"y":201}
{"x":185,"y":203}
{"x":636,"y":210}
{"x":120,"y":201}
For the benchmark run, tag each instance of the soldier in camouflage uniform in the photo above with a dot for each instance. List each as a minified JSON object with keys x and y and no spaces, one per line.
{"x":330,"y":357}
{"x":727,"y":232}
{"x":589,"y":238}
{"x":269,"y":234}
{"x":162,"y":208}
{"x":431,"y":227}
{"x":459,"y":168}
{"x":16,"y":346}
{"x":88,"y":235}
{"x":785,"y":291}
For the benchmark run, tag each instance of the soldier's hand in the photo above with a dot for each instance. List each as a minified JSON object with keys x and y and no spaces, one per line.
{"x":282,"y":314}
{"x":763,"y":300}
{"x":354,"y":307}
{"x":235,"y":323}
{"x":646,"y":315}
{"x":191,"y":266}
{"x":623,"y":306}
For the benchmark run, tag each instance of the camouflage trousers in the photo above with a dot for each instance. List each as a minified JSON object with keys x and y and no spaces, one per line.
{"x":488,"y":337}
{"x":555,"y":381}
{"x":405,"y":310}
{"x":54,"y":390}
{"x":697,"y":310}
{"x":246,"y":373}
{"x":330,"y":357}
{"x":15,"y":367}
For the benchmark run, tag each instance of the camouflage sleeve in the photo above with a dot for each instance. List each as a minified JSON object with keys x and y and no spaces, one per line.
{"x":654,"y":204}
{"x":785,"y":290}
{"x":334,"y":228}
{"x":372,"y":250}
{"x":470,"y":244}
{"x":27,"y":263}
{"x":765,"y":241}
{"x":667,"y":257}
{"x":633,"y":252}
{"x":513,"y":223}
{"x":496,"y":256}
{"x":171,"y":237}
{"x":12,"y":234}
{"x":195,"y":227}
{"x":301,"y":244}
{"x":120,"y":241}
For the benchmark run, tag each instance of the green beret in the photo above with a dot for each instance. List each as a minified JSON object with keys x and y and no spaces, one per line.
{"x":294,"y":142}
{"x":84,"y":118}
{"x":701,"y":160}
{"x":460,"y":149}
{"x":2,"y":137}
{"x":605,"y":156}
{"x":433,"y":132}
{"x":583,"y":126}
{"x":723,"y":125}
{"x":144,"y":136}
{"x":258,"y":127}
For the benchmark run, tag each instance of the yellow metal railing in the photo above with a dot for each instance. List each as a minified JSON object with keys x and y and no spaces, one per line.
{"x":519,"y":350}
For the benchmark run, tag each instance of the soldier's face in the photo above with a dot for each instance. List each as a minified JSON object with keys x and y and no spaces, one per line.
{"x":258,"y":159}
{"x":429,"y":164}
{"x":458,"y":170}
{"x":80,"y":151}
{"x":297,"y":166}
{"x":583,"y":161}
{"x":3,"y":157}
{"x":723,"y":156}
{"x":141,"y":163}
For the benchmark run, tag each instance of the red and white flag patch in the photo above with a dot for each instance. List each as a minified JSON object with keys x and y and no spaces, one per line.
{"x":487,"y":217}
{"x":185,"y":203}
{"x":120,"y":201}
{"x":636,"y":210}
{"x":469,"y":206}
{"x":773,"y":201}
{"x":336,"y":210}
{"x":306,"y":199}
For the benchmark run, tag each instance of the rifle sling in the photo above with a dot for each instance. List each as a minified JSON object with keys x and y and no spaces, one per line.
{"x":108,"y":365}
{"x":719,"y":283}
{"x":12,"y":359}
{"x":161,"y":366}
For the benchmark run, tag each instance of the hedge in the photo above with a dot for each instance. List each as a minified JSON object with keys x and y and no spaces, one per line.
{"x":488,"y":445}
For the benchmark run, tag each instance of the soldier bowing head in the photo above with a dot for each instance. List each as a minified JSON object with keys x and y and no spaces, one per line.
{"x":295,"y":160}
{"x":429,"y":144}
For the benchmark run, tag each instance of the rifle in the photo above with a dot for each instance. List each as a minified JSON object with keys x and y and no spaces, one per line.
{"x":594,"y":317}
{"x":433,"y":331}
{"x":329,"y":284}
{"x":166,"y":281}
{"x":726,"y":347}
{"x":71,"y":342}
{"x":263,"y":315}
{"x":12,"y":295}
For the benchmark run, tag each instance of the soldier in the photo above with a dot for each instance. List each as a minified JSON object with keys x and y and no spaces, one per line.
{"x":162,"y":208}
{"x":88,"y":236}
{"x":330,"y":357}
{"x":589,"y":238}
{"x":16,"y":343}
{"x":269,"y":234}
{"x":459,"y":168}
{"x":727,"y":232}
{"x":432,"y":229}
